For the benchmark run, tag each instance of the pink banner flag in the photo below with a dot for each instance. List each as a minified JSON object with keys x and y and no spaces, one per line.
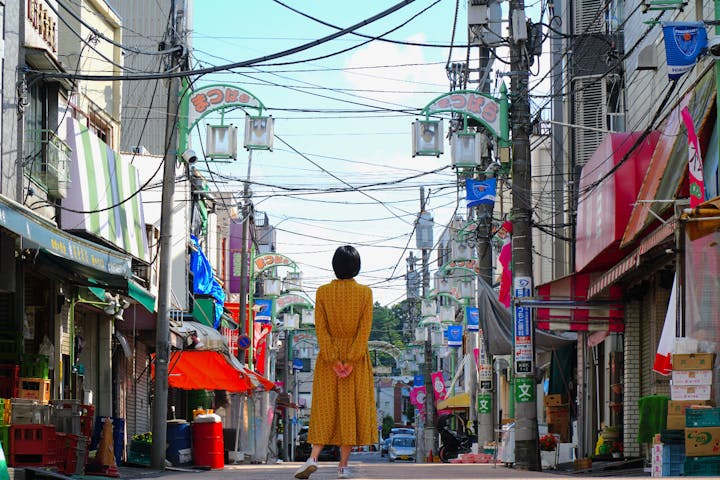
{"x":438,"y":382}
{"x":695,"y":164}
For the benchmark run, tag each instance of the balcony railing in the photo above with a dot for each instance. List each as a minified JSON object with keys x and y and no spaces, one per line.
{"x":49,"y":161}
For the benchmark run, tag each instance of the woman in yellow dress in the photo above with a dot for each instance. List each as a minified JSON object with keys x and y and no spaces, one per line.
{"x":343,"y":398}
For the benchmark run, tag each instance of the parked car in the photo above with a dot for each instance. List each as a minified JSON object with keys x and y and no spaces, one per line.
{"x":402,"y":447}
{"x":402,"y":431}
{"x":384,"y":446}
{"x":303,"y":448}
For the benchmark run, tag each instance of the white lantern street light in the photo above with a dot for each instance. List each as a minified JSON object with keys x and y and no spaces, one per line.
{"x":259,"y":132}
{"x":308,"y":317}
{"x":292,"y":281}
{"x":466,"y":149}
{"x":427,"y":138}
{"x":221,"y":142}
{"x":271,"y":287}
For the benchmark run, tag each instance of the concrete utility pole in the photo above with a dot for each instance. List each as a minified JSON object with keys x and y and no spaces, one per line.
{"x":162,"y":340}
{"x":527,"y":455}
{"x":430,"y":432}
{"x":484,"y":425}
{"x":245,"y":323}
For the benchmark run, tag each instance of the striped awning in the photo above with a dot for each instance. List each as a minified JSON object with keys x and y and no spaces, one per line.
{"x":105,"y":200}
{"x":563,"y":306}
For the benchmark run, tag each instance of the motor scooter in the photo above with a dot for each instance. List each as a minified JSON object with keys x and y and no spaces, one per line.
{"x":453,"y":442}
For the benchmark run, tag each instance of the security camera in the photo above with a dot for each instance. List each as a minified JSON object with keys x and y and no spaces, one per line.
{"x":714,"y":47}
{"x":189,"y":156}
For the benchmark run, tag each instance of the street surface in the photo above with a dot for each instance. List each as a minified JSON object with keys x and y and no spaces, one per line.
{"x":367,"y":466}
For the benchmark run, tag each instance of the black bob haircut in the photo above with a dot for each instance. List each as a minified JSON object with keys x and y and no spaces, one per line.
{"x":346,"y":262}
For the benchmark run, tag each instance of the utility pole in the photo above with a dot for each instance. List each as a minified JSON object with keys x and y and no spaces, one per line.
{"x":430,"y":432}
{"x":162,"y":340}
{"x":245,"y":323}
{"x":527,"y":455}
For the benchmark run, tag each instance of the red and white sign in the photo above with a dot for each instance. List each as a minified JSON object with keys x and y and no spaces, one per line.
{"x":609,"y":186}
{"x":438,"y":382}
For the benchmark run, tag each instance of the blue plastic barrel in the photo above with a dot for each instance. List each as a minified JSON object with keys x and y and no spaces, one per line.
{"x":179,"y":439}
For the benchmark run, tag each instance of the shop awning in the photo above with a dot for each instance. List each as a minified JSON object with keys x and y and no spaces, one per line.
{"x":496,"y":324}
{"x":563,"y":305}
{"x":668,"y":167}
{"x":143,"y":296}
{"x":459,"y":401}
{"x":660,"y":236}
{"x":208,"y":370}
{"x":106,"y":198}
{"x":36,"y":232}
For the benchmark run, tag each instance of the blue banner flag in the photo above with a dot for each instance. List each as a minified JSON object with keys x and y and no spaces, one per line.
{"x":480,"y":191}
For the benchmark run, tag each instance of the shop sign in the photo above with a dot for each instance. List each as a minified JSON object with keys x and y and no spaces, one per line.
{"x":41,"y":27}
{"x":268,"y":261}
{"x":523,"y":328}
{"x":524,"y":389}
{"x":287,"y":300}
{"x":218,"y":96}
{"x":475,"y":104}
{"x":484,"y":403}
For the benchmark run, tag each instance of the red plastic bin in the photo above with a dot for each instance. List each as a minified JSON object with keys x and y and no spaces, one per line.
{"x":33,"y":445}
{"x":9,"y":380}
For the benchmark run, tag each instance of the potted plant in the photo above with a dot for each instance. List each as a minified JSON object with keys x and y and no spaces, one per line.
{"x":548,"y":454}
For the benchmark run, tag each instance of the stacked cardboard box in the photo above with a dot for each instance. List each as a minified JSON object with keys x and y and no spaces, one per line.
{"x":557,"y":415}
{"x":692,"y":384}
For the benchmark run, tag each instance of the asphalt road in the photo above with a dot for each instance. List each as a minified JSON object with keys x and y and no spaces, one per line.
{"x":369,"y":466}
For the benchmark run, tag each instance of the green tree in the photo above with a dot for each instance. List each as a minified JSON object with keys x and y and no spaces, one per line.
{"x":387,"y":424}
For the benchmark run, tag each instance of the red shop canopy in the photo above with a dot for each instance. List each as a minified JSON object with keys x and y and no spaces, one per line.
{"x":209,"y":370}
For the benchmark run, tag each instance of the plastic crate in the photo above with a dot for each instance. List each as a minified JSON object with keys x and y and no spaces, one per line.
{"x":34,"y":366}
{"x":25,"y":411}
{"x":702,"y":467}
{"x":673,"y":453}
{"x":66,"y":416}
{"x":87,"y":414}
{"x":675,"y":469}
{"x":33,"y":445}
{"x":9,"y":380}
{"x":72,"y":454}
{"x":35,"y":389}
{"x":702,"y":417}
{"x":5,"y":418}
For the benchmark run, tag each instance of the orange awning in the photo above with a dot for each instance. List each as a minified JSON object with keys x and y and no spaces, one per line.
{"x":209,"y":370}
{"x":703,"y":220}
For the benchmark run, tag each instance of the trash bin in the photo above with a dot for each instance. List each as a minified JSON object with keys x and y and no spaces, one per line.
{"x":208,"y":449}
{"x":179,"y":450}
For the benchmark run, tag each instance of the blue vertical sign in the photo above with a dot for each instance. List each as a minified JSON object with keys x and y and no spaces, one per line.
{"x":418,"y":380}
{"x":472,"y":318}
{"x":523,"y":341}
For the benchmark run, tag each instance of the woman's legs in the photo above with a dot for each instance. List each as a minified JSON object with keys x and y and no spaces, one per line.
{"x":344,"y":455}
{"x":316,"y":449}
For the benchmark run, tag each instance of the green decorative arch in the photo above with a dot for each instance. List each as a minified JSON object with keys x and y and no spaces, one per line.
{"x":487,"y":110}
{"x":289,"y":300}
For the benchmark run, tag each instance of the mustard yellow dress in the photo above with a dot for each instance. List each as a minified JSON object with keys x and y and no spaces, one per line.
{"x":343,"y":409}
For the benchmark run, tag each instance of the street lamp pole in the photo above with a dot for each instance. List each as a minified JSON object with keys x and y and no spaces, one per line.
{"x":162,"y":335}
{"x":245,"y":281}
{"x":527,"y":455}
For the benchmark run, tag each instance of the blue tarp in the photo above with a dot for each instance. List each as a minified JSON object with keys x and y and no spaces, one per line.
{"x":204,"y":280}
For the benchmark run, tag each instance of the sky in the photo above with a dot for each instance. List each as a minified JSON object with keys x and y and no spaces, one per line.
{"x":342,"y":123}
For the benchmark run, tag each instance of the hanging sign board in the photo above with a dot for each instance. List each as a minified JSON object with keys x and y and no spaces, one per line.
{"x":523,"y":341}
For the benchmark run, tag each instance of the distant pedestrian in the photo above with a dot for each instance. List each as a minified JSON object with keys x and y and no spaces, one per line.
{"x":343,"y":399}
